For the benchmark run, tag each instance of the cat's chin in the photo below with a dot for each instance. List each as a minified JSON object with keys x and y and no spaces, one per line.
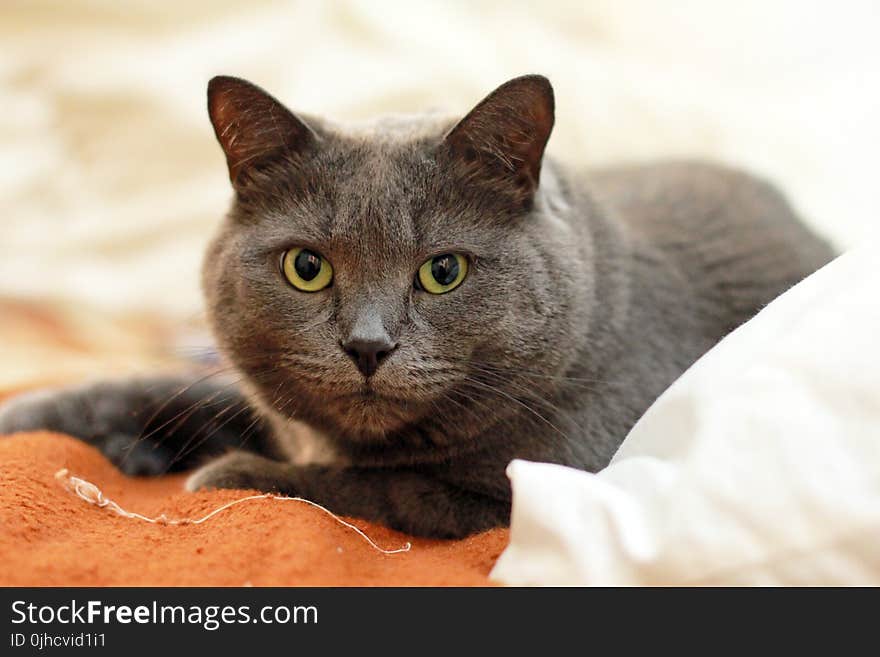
{"x":370,"y":415}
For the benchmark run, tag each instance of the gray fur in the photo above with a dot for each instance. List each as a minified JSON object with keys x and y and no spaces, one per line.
{"x":588,"y":294}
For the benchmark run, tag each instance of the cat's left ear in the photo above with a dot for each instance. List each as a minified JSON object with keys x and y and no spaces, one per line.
{"x":504,"y":136}
{"x":252,"y":127}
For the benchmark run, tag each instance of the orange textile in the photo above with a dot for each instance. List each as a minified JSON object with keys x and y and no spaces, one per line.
{"x":51,"y":537}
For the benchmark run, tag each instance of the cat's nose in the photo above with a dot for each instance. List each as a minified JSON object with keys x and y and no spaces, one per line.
{"x":368,"y":353}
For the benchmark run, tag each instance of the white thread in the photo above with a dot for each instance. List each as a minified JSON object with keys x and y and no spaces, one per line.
{"x":87,"y":491}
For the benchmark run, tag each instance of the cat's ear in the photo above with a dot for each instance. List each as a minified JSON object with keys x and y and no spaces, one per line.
{"x":504,"y":136}
{"x":252,"y":127}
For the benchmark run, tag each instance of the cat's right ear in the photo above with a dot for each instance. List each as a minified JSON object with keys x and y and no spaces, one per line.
{"x":252,"y":127}
{"x":503,"y":138}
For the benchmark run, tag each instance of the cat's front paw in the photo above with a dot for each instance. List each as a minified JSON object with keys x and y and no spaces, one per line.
{"x":246,"y":471}
{"x":93,"y":415}
{"x":31,"y":412}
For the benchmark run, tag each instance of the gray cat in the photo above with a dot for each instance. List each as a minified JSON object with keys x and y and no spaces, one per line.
{"x":408,"y":309}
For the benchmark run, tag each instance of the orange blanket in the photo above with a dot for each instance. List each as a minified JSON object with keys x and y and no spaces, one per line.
{"x":51,"y":537}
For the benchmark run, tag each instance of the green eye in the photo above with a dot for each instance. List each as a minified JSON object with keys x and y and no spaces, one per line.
{"x":306,"y":270}
{"x":442,"y":273}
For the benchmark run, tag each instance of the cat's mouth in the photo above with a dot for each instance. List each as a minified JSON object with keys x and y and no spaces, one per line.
{"x":368,"y":412}
{"x":367,"y":393}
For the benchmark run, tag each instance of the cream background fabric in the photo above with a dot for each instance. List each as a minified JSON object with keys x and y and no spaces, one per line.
{"x":760,"y":465}
{"x":111,"y":181}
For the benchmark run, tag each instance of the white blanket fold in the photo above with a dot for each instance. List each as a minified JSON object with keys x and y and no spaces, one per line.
{"x":760,"y":465}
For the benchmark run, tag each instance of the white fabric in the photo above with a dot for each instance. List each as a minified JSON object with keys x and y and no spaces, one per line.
{"x":760,"y":465}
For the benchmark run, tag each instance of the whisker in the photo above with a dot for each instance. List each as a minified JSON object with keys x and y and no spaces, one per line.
{"x":183,"y":451}
{"x":531,"y":410}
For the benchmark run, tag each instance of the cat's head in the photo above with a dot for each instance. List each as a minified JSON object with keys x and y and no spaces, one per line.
{"x":370,"y":280}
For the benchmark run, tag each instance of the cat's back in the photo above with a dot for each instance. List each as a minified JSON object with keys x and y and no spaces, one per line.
{"x":730,"y":233}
